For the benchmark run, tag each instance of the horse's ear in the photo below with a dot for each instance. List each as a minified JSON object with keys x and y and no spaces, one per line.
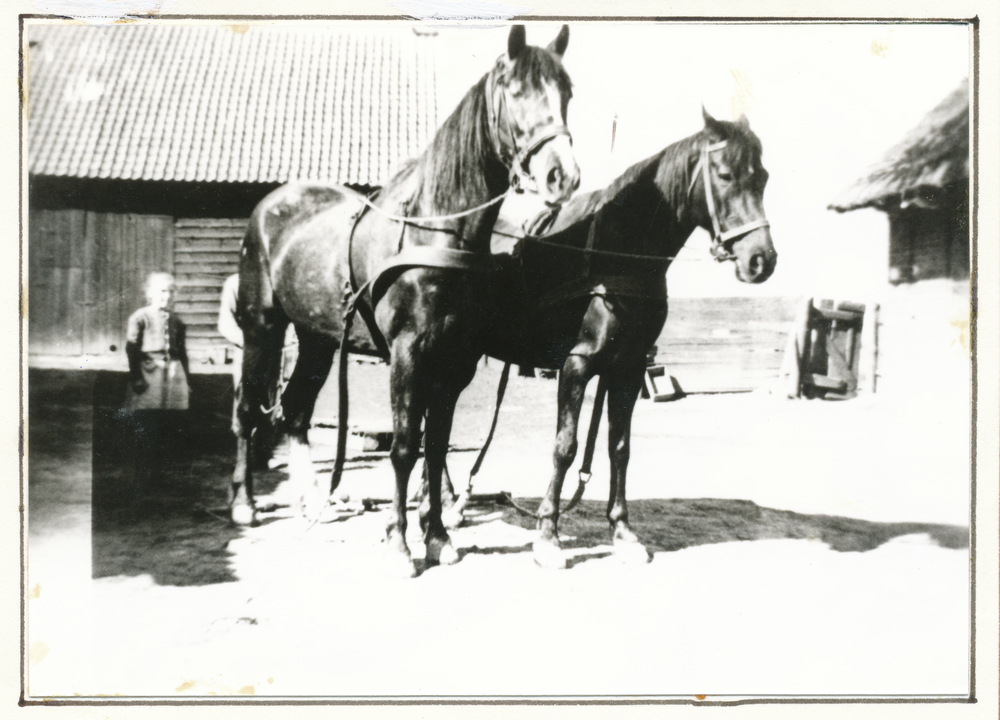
{"x":710,"y":122}
{"x":743,"y":123}
{"x":515,"y":41}
{"x":558,"y":46}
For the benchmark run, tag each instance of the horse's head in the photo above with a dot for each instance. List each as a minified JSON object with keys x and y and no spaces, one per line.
{"x":732,"y":179}
{"x":528,"y":92}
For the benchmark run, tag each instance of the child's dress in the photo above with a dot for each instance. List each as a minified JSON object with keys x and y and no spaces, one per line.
{"x":160,"y":358}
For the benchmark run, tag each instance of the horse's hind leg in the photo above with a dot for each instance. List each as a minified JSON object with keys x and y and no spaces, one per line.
{"x":407,"y":416}
{"x":451,"y":513}
{"x":436,"y":434}
{"x":312,"y":367}
{"x":261,"y":351}
{"x":572,"y":384}
{"x":623,"y":390}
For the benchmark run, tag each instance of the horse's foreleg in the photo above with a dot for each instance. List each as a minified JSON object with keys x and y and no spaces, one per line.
{"x":312,"y":367}
{"x":623,"y":390}
{"x":572,"y":384}
{"x":407,"y":415}
{"x":451,"y":514}
{"x":437,"y":432}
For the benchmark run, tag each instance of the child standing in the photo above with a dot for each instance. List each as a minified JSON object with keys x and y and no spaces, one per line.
{"x":158,"y":376}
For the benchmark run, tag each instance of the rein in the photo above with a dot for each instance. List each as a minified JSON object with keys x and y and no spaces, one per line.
{"x":433,"y":218}
{"x":588,"y":453}
{"x":537,"y":239}
{"x":719,"y":238}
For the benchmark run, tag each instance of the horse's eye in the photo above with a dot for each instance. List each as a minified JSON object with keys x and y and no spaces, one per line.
{"x":725,"y":176}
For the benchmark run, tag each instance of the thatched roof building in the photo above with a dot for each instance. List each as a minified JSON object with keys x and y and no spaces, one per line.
{"x":922,"y":184}
{"x":934,"y":156}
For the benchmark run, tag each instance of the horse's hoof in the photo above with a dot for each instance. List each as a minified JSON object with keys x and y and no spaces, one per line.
{"x":548,"y":555}
{"x":441,"y":552}
{"x":243,"y":514}
{"x":631,"y":552}
{"x":452,"y":518}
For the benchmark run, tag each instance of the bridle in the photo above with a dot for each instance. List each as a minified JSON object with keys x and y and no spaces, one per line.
{"x":424,"y":256}
{"x":510,"y":155}
{"x":516,"y":160}
{"x":719,"y":238}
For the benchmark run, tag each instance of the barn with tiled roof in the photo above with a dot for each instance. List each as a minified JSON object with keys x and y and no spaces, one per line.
{"x":150,"y":144}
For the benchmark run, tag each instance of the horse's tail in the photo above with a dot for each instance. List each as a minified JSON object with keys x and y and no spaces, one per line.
{"x":255,"y":300}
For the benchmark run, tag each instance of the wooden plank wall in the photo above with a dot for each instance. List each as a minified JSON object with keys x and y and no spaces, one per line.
{"x":55,"y":282}
{"x":86,"y":275}
{"x":207,"y":251}
{"x":87,"y":270}
{"x":716,"y":344}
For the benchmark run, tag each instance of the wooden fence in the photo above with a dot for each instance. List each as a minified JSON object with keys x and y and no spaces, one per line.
{"x":725,"y":344}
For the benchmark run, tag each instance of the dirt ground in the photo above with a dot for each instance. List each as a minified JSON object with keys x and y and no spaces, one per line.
{"x":799,"y":547}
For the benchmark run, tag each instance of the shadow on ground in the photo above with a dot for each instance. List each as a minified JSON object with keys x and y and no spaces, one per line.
{"x":172,"y":523}
{"x":671,"y":525}
{"x":177,"y":532}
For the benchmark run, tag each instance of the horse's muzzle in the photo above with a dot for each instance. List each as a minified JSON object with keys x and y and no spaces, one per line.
{"x":755,"y":256}
{"x":555,"y":170}
{"x":758,"y":268}
{"x":561,"y":184}
{"x":762,"y":266}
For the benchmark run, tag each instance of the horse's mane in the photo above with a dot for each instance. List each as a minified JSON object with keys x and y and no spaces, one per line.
{"x":669,"y":168}
{"x":452,"y":170}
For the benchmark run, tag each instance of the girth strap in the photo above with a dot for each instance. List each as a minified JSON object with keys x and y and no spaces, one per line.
{"x":424,"y":256}
{"x":408,"y":258}
{"x":367,"y":311}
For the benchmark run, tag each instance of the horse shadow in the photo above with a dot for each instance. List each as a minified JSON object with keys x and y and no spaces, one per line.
{"x":671,"y":525}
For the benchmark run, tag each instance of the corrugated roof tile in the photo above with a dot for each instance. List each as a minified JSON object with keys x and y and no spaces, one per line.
{"x":202,"y":102}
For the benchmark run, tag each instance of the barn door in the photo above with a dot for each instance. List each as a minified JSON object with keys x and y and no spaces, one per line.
{"x":55,"y":282}
{"x":86,"y":273}
{"x":119,"y":252}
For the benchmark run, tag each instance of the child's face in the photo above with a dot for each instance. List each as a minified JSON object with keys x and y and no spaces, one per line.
{"x":161,"y":295}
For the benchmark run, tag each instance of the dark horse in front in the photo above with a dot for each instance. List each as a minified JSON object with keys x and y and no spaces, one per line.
{"x":411,"y":261}
{"x":590,"y":297}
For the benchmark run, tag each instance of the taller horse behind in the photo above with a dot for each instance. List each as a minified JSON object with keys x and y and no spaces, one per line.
{"x":591,"y":296}
{"x":411,"y":261}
